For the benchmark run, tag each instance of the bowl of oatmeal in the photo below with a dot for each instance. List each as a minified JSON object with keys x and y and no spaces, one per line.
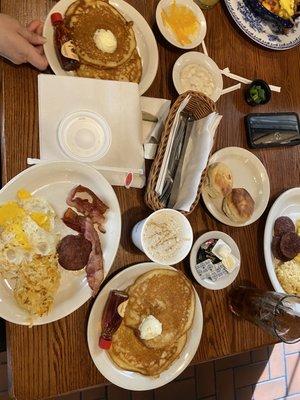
{"x":196,"y":71}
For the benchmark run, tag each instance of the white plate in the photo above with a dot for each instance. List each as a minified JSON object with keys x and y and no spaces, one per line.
{"x":53,"y":181}
{"x":146,"y":43}
{"x":128,"y":379}
{"x":288,"y":205}
{"x":195,"y":57}
{"x":169,"y":35}
{"x":248,"y":172}
{"x":226,"y":280}
{"x":259,"y":30}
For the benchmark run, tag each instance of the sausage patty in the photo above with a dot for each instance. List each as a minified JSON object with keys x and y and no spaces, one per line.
{"x":283,"y":225}
{"x":290,"y":245}
{"x":73,"y":252}
{"x":275,"y":246}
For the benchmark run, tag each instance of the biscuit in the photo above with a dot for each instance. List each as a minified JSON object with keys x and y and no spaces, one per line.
{"x":238,"y":205}
{"x":218,"y":180}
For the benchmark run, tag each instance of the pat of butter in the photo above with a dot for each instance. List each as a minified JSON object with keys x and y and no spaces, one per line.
{"x":105,"y":40}
{"x":150,"y":328}
{"x":221,"y":249}
{"x":230,"y":262}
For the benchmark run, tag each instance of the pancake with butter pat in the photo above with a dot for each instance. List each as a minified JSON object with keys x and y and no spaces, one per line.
{"x":95,"y":15}
{"x":130,"y":71}
{"x":71,"y":10}
{"x":78,"y":7}
{"x":169,"y":297}
{"x":130,"y":354}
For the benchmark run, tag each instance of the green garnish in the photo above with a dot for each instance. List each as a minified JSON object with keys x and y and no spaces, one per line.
{"x":258,"y":94}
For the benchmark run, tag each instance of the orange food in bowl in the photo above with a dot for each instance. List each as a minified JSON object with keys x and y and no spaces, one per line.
{"x":182,"y":21}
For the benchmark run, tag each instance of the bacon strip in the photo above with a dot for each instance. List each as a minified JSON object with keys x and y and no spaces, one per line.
{"x":94,"y":268}
{"x":93,"y":209}
{"x":87,"y":203}
{"x":73,"y":220}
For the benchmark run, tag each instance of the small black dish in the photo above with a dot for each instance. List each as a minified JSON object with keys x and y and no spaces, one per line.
{"x":257,"y":93}
{"x":269,"y":16}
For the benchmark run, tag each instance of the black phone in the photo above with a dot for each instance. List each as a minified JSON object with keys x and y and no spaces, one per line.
{"x":272,"y":129}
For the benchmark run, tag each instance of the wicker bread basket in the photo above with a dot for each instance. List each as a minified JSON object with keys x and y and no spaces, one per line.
{"x":199,"y":106}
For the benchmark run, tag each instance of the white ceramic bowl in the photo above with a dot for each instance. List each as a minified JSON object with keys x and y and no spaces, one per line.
{"x":140,"y":241}
{"x":169,"y":35}
{"x":226,"y":280}
{"x":195,"y":57}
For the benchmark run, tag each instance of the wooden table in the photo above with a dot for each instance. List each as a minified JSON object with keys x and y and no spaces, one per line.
{"x":53,"y":359}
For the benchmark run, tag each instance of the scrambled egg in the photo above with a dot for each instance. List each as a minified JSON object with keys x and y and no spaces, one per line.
{"x":288,"y":275}
{"x":287,"y":8}
{"x":284,"y":8}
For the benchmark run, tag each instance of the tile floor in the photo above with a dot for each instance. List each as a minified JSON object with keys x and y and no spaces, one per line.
{"x":269,"y":373}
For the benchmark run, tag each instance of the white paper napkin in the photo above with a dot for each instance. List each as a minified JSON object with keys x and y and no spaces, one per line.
{"x":163,"y":170}
{"x":195,"y":159}
{"x":159,"y":108}
{"x":59,"y":96}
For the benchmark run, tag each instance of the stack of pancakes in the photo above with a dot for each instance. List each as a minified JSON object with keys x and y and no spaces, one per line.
{"x":83,"y":18}
{"x":169,"y":297}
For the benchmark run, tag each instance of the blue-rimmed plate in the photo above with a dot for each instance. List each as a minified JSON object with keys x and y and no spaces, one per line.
{"x":259,"y":30}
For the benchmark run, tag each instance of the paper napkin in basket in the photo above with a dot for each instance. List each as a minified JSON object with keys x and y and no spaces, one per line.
{"x":195,"y":160}
{"x":61,"y":95}
{"x":163,"y":170}
{"x":158,"y":108}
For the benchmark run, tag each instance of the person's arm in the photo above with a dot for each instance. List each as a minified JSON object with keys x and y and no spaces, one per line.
{"x":21,"y":45}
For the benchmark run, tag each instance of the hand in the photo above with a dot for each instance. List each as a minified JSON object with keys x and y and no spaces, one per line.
{"x":19,"y":44}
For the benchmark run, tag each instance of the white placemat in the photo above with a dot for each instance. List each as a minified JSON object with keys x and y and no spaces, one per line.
{"x":117,"y":102}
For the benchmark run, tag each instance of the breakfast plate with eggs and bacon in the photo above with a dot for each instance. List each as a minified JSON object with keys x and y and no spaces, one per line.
{"x":60,"y":229}
{"x":112,"y":39}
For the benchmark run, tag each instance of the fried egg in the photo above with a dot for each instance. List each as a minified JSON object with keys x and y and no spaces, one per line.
{"x":38,"y":208}
{"x":26,"y":229}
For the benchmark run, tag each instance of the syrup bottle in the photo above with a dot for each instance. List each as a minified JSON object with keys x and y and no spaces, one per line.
{"x":64,"y":46}
{"x":111,"y":317}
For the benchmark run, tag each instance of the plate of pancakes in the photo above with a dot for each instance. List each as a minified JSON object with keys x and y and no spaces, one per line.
{"x":166,"y":294}
{"x":135,"y":58}
{"x":236,"y":188}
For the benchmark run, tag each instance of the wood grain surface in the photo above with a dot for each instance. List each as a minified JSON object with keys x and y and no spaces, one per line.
{"x":50,"y":360}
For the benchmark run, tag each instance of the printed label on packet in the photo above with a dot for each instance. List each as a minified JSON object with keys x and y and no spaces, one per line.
{"x":207,"y":270}
{"x":219,"y":271}
{"x":204,"y":268}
